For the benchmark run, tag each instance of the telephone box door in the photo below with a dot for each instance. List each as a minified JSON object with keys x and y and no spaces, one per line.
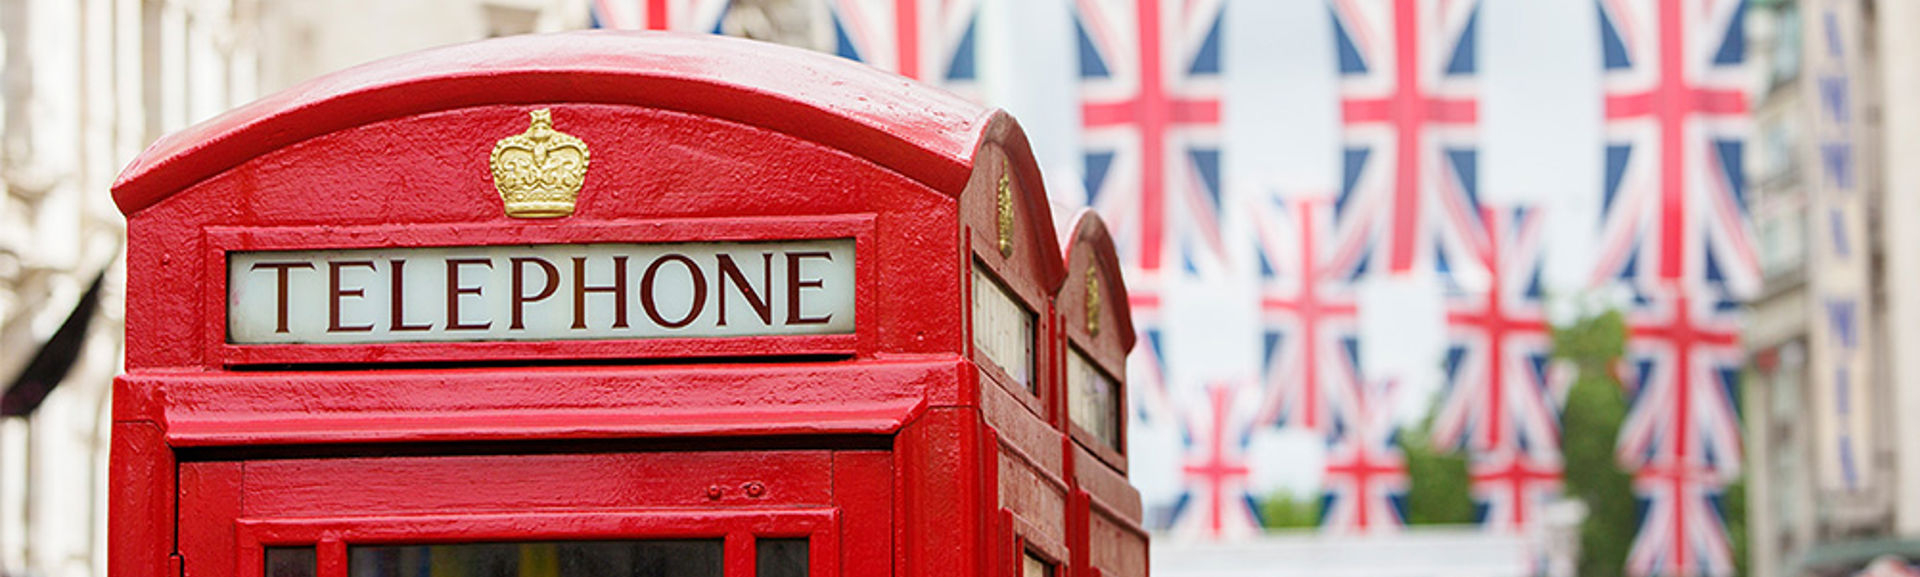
{"x":667,"y":513}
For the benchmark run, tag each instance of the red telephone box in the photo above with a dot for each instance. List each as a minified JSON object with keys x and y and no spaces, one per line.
{"x":601,"y":303}
{"x":1105,"y":518}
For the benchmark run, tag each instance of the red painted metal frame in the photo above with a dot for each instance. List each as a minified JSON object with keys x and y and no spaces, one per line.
{"x":737,"y":528}
{"x":513,"y":404}
{"x":222,"y":240}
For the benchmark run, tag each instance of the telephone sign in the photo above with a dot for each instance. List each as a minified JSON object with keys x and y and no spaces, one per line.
{"x":541,"y":292}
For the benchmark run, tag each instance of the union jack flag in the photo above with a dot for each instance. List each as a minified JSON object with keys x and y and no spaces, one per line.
{"x":1150,"y":95}
{"x":1366,"y":473}
{"x":1501,"y":385}
{"x":1512,"y":483}
{"x":1311,"y":321}
{"x":1217,"y":502}
{"x":1682,"y":432}
{"x":1409,"y":98}
{"x":1683,"y":530}
{"x":680,"y":15}
{"x":1146,"y":376}
{"x":1503,"y":391}
{"x":932,"y":41}
{"x":1674,"y":206}
{"x":1683,"y":364}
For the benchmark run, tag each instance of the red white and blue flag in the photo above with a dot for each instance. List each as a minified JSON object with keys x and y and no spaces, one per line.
{"x":1674,"y":203}
{"x":1683,"y":529}
{"x":677,"y":15}
{"x":1216,"y":501}
{"x":933,"y":41}
{"x":1683,"y":365}
{"x":1150,"y":108}
{"x":1309,"y":317}
{"x":1682,"y":431}
{"x":1503,"y":392}
{"x":1365,"y":483}
{"x":1502,"y":389}
{"x":1409,"y":100}
{"x":1512,"y":483}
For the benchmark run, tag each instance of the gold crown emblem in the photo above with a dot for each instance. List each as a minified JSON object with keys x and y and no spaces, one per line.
{"x":539,"y":172}
{"x":1093,"y":301}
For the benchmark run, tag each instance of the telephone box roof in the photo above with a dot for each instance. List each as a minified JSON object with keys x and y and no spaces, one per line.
{"x":927,"y":135}
{"x":1088,"y":232}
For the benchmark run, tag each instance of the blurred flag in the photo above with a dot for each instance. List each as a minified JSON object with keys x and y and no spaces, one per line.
{"x":1216,"y":502}
{"x":1513,"y":485}
{"x":933,"y":41}
{"x":1502,"y":398}
{"x":1681,"y":436}
{"x":1310,"y":317}
{"x":55,"y":358}
{"x":679,"y":15}
{"x":1366,"y":472}
{"x":1150,"y":83}
{"x":1674,"y":207}
{"x":1410,"y":103}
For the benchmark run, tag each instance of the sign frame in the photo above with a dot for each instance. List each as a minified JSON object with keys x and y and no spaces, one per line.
{"x":219,"y":241}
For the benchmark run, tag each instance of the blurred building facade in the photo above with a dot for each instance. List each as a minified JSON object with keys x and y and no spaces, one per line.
{"x":88,"y":84}
{"x":1834,"y":477}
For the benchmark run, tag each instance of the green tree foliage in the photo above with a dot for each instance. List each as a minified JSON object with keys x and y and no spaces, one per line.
{"x":1282,"y":510}
{"x":1734,"y":503}
{"x":1589,"y":426}
{"x":1439,"y":490}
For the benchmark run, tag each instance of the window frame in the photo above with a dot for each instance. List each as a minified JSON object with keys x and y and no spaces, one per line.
{"x":737,"y":529}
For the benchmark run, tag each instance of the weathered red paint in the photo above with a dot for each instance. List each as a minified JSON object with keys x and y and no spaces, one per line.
{"x":896,"y":448}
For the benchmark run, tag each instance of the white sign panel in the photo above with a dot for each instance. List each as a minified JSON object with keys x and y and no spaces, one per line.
{"x":541,"y":292}
{"x":1839,"y":268}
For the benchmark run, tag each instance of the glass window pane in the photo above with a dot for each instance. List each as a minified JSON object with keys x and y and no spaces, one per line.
{"x":291,"y":562}
{"x":1032,"y":566}
{"x":665,"y":558}
{"x":781,"y":558}
{"x":1003,"y":328}
{"x":1093,"y":403}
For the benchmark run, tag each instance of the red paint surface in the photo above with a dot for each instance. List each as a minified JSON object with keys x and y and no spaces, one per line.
{"x":894,"y":447}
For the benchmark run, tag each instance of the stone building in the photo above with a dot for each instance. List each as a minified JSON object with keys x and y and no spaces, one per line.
{"x":87,"y":85}
{"x":1834,"y":465}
